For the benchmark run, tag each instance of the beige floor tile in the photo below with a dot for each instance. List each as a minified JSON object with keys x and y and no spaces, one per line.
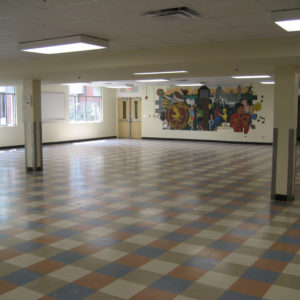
{"x":242,"y":259}
{"x":66,"y":244}
{"x":21,"y":293}
{"x":187,"y":249}
{"x":278,"y":293}
{"x":206,"y":292}
{"x":159,"y":266}
{"x":219,"y":280}
{"x":123,"y":289}
{"x":69,"y":273}
{"x":24,"y":260}
{"x":109,"y":254}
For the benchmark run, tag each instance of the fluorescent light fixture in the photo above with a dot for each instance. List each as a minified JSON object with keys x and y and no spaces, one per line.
{"x":119,"y":87}
{"x":267,"y":82}
{"x":189,"y":84}
{"x":250,"y":76}
{"x":160,"y":72}
{"x":289,"y":19}
{"x":76,"y":83}
{"x":66,"y":44}
{"x":152,"y":80}
{"x":290,"y":25}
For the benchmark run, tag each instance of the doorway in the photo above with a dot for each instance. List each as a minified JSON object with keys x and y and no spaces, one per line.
{"x":129,"y":124}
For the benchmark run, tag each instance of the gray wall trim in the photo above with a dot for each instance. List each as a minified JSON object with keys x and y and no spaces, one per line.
{"x":34,"y":157}
{"x":291,"y":162}
{"x":130,"y":117}
{"x":41,"y":145}
{"x":25,"y":144}
{"x":274,"y":162}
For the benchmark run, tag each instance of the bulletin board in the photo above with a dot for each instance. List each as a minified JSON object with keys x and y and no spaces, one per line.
{"x":53,"y":106}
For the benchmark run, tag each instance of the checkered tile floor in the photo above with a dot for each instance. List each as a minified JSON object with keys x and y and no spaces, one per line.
{"x":147,"y":220}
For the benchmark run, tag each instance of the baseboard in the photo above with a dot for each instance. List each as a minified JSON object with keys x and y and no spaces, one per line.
{"x":62,"y":142}
{"x":194,"y":140}
{"x":280,"y":197}
{"x":79,"y":141}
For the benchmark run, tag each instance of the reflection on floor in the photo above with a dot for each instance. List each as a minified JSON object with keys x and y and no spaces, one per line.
{"x":147,"y":220}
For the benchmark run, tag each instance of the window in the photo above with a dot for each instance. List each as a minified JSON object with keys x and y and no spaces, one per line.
{"x":85,"y":103}
{"x":8,"y":106}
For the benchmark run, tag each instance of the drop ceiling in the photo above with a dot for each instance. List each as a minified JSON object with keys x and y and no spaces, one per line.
{"x":133,"y":36}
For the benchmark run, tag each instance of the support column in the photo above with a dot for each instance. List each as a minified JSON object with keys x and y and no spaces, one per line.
{"x":32,"y":125}
{"x":285,"y":133}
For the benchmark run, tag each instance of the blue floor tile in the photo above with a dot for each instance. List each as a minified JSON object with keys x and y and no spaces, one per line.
{"x":105,"y":242}
{"x":65,"y":233}
{"x":201,"y":262}
{"x":198,"y":225}
{"x":171,"y":284}
{"x":225,"y":246}
{"x":115,"y":270}
{"x":261,"y":275}
{"x":242,"y":232}
{"x":67,"y":257}
{"x":134,"y":229}
{"x":96,"y":222}
{"x":278,"y":255}
{"x":176,"y":237}
{"x":289,"y":240}
{"x":22,"y":276}
{"x":72,"y":291}
{"x":230,"y":295}
{"x":149,"y":251}
{"x":27,"y":246}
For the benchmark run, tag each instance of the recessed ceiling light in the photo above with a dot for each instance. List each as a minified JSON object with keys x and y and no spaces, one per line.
{"x":119,"y":87}
{"x":267,"y":82}
{"x":250,"y":76}
{"x":67,"y":44}
{"x":152,"y":80}
{"x":290,"y":25}
{"x":160,"y":72}
{"x":75,"y":83}
{"x":288,"y":19}
{"x":189,"y":84}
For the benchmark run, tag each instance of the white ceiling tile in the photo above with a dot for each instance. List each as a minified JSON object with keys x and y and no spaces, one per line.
{"x":249,"y":20}
{"x":280,"y":4}
{"x":91,"y":11}
{"x":45,"y":17}
{"x":122,"y":22}
{"x":220,"y":8}
{"x":141,"y":6}
{"x":223,"y":35}
{"x":48,"y":3}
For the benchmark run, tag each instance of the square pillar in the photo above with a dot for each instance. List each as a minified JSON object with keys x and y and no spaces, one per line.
{"x":285,"y":133}
{"x":32,"y":125}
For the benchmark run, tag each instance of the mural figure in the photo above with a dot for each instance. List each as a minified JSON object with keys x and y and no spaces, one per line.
{"x":209,"y":109}
{"x":240,"y":121}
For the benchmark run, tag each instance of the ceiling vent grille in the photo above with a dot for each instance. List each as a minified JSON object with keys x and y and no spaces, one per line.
{"x":173,"y":13}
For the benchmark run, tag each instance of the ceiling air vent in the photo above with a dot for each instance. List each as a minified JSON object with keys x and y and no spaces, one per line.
{"x":173,"y":13}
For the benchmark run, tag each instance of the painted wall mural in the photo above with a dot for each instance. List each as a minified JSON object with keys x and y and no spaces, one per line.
{"x":234,"y":108}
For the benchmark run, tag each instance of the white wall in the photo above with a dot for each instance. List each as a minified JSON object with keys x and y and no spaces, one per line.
{"x":57,"y":131}
{"x":152,"y":125}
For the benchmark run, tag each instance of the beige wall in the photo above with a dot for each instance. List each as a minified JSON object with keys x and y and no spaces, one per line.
{"x":152,"y":125}
{"x":57,"y":131}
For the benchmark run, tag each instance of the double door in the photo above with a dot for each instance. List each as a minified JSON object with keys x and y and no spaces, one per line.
{"x":129,"y":124}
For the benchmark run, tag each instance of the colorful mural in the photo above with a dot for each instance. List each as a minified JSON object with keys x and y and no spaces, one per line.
{"x":209,"y":109}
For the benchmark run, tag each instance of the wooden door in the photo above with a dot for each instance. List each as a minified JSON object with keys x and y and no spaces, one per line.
{"x":136,"y":118}
{"x":129,"y":116}
{"x":124,"y":118}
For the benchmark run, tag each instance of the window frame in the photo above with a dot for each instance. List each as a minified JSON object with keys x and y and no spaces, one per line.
{"x":76,"y":98}
{"x":5,"y":97}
